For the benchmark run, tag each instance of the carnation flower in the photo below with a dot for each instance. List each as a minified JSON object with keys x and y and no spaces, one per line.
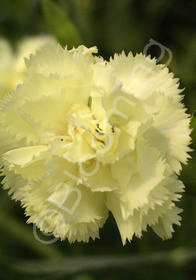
{"x":12,"y":66}
{"x":82,"y":137}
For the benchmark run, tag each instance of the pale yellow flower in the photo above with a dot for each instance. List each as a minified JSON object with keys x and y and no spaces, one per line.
{"x":12,"y":65}
{"x":82,"y":136}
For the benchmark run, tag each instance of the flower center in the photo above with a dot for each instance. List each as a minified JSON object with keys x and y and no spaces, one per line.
{"x":88,"y":136}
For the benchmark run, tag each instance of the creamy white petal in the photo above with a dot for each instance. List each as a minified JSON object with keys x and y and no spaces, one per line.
{"x":141,"y":75}
{"x":149,"y":174}
{"x":6,"y":55}
{"x":23,"y":156}
{"x":56,"y":60}
{"x":65,"y":209}
{"x":170,"y":132}
{"x":14,"y":183}
{"x":155,"y":213}
{"x":164,"y":226}
{"x":98,"y":177}
{"x":123,"y":169}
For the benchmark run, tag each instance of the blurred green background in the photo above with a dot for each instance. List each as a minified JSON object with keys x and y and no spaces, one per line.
{"x":113,"y":26}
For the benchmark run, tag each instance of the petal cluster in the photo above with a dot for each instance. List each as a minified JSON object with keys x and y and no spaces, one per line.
{"x":12,"y":66}
{"x":82,"y":137}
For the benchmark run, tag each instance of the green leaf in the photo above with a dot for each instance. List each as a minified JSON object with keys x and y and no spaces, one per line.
{"x":60,"y":24}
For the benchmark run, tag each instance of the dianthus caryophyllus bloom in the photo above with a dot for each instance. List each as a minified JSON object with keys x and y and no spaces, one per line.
{"x":12,"y":66}
{"x":82,"y":136}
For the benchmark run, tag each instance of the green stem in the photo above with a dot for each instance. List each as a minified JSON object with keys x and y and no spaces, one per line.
{"x":179,"y":256}
{"x":22,"y":233}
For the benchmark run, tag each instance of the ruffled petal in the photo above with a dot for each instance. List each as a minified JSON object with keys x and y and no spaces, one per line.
{"x":121,"y":107}
{"x":150,"y":172}
{"x":170,"y":132}
{"x":159,"y":212}
{"x":123,"y":169}
{"x":164,"y":226}
{"x":98,"y":177}
{"x":140,"y":75}
{"x":75,"y":213}
{"x":22,"y":156}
